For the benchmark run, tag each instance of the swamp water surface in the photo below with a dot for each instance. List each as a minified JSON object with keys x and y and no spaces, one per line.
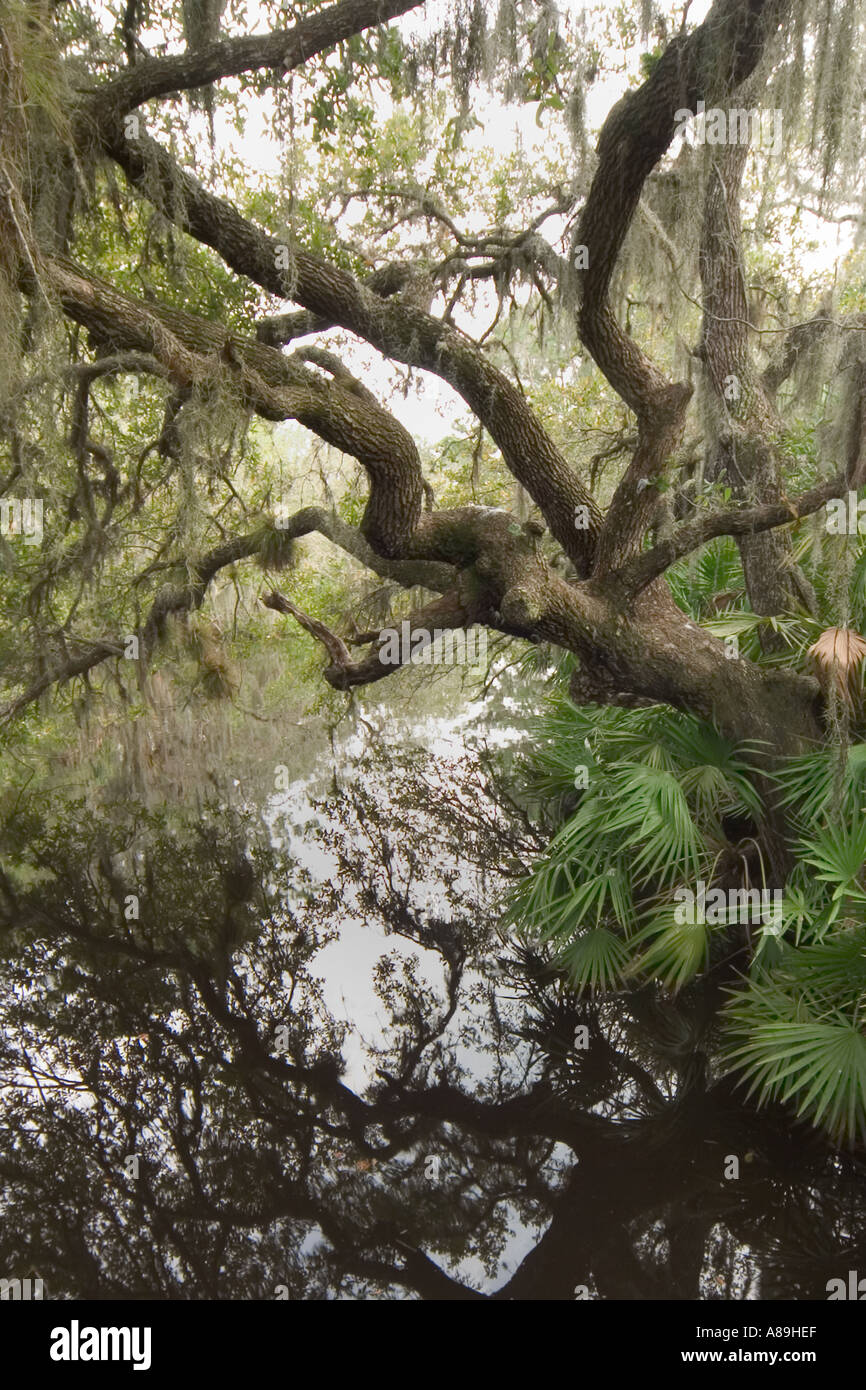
{"x":311,"y":1064}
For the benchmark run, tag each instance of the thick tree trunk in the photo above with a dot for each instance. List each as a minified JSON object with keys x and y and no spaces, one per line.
{"x":744,"y":422}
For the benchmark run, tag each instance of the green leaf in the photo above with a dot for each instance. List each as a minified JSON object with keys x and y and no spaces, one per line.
{"x":596,"y":960}
{"x":677,"y":950}
{"x":820,"y":1067}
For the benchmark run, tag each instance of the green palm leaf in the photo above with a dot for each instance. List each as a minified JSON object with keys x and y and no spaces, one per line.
{"x":677,"y":950}
{"x":596,"y":960}
{"x":819,"y":1066}
{"x":837,"y":853}
{"x":808,"y":783}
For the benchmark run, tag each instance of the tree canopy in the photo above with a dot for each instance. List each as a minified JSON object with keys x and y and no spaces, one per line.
{"x":146,"y":270}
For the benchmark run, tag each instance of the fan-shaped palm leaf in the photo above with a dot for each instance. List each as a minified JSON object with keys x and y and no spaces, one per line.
{"x":838,"y":656}
{"x":819,"y":1065}
{"x":676,"y":950}
{"x":837,"y":853}
{"x":596,"y":960}
{"x":809,"y":783}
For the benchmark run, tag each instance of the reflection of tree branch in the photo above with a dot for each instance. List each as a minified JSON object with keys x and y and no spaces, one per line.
{"x":241,"y":1147}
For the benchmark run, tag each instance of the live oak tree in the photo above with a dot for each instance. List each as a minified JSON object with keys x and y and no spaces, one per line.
{"x":164,"y":308}
{"x":77,"y":103}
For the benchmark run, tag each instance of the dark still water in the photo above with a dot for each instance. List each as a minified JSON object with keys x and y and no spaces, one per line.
{"x":291,"y":1055}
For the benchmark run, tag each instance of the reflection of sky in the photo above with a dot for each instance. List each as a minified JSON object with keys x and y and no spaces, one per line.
{"x":347,"y":965}
{"x":731,"y":1270}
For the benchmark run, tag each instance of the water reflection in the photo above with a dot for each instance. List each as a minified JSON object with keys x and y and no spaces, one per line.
{"x":292,"y":1058}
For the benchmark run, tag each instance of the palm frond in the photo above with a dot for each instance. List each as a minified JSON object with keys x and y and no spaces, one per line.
{"x":810,"y":783}
{"x":818,"y":1065}
{"x":676,"y":952}
{"x":838,"y":656}
{"x":596,"y":960}
{"x":837,"y":854}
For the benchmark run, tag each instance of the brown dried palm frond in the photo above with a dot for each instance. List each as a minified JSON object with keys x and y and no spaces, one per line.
{"x":838,"y":656}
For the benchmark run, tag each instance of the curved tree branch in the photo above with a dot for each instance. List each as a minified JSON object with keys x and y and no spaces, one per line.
{"x":413,"y":636}
{"x":641,"y":570}
{"x":400,"y":331}
{"x":187,"y":597}
{"x":280,"y":51}
{"x":708,"y":63}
